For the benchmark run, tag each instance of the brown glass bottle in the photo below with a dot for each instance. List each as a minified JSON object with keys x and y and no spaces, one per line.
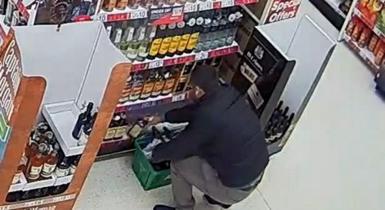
{"x":49,"y":165}
{"x":126,"y":91}
{"x":109,"y":5}
{"x":36,"y":163}
{"x":176,"y":37}
{"x":148,"y":85}
{"x":170,"y":80}
{"x":137,"y":86}
{"x":159,"y":83}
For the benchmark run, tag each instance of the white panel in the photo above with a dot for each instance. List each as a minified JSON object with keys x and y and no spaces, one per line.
{"x":105,"y":57}
{"x":59,"y":56}
{"x":310,"y":47}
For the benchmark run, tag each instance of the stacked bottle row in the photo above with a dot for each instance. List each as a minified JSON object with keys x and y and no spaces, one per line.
{"x":109,"y":5}
{"x":199,"y":31}
{"x":278,"y":124}
{"x":42,"y":159}
{"x":155,"y":82}
{"x":122,"y":128}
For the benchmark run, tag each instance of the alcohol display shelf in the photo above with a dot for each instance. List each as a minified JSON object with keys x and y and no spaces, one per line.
{"x":140,"y":12}
{"x":374,"y":28}
{"x":53,"y":181}
{"x":185,"y":58}
{"x":364,"y":54}
{"x":20,"y":185}
{"x":62,"y":117}
{"x":151,"y":102}
{"x":334,"y":4}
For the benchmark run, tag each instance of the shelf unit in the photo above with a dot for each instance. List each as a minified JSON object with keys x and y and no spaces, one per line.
{"x":151,"y":102}
{"x":140,"y":12}
{"x":185,"y":58}
{"x":24,"y":185}
{"x":364,"y":53}
{"x":335,"y":5}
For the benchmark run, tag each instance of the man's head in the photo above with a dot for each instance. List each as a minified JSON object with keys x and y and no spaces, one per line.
{"x":205,"y":81}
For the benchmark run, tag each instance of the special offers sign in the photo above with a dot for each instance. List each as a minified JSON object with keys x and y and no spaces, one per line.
{"x":10,"y":76}
{"x":282,"y":10}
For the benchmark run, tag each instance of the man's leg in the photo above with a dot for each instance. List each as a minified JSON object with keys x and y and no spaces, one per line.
{"x":182,"y":190}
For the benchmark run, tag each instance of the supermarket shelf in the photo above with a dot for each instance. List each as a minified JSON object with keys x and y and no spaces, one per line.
{"x":374,"y":28}
{"x":364,"y":54}
{"x":62,"y":117}
{"x":53,"y":181}
{"x":151,"y":102}
{"x":40,"y":184}
{"x":187,"y":57}
{"x":18,"y":186}
{"x":131,"y":14}
{"x":334,"y":4}
{"x":114,"y":155}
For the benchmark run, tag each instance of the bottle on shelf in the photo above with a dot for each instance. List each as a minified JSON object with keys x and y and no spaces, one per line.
{"x":185,"y":32}
{"x":109,"y":5}
{"x":62,"y":169}
{"x":166,"y":41}
{"x":203,"y":43}
{"x":137,"y":86}
{"x":112,"y":127}
{"x":184,"y":77}
{"x":121,"y":4}
{"x":175,"y":38}
{"x":83,"y":118}
{"x":86,"y":129}
{"x":126,"y":91}
{"x":50,"y":163}
{"x":157,"y":41}
{"x":170,"y":80}
{"x":74,"y":165}
{"x":36,"y":163}
{"x":117,"y":34}
{"x":121,"y":126}
{"x":21,"y":168}
{"x":138,"y":37}
{"x":148,"y":84}
{"x":55,"y":190}
{"x":159,"y":83}
{"x":195,"y":33}
{"x":145,"y":43}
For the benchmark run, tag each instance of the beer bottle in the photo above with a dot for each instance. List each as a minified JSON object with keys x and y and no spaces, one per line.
{"x":170,"y":80}
{"x":109,"y":5}
{"x":177,"y":35}
{"x":126,"y":91}
{"x":121,"y":4}
{"x":148,"y":85}
{"x":112,"y":127}
{"x":194,"y":37}
{"x":159,"y":83}
{"x":36,"y":163}
{"x":166,"y":41}
{"x":121,"y":127}
{"x":145,"y":43}
{"x":157,"y":41}
{"x":137,"y":86}
{"x":185,"y":31}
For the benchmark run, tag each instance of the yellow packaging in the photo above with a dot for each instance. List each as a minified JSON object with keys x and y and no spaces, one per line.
{"x":155,"y":45}
{"x":164,"y":46}
{"x":174,"y":44}
{"x":183,"y":42}
{"x":192,"y":42}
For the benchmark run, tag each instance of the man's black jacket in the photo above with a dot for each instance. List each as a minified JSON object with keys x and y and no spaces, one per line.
{"x":224,"y":131}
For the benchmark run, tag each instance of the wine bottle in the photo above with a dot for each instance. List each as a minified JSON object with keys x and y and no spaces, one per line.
{"x":82,"y":119}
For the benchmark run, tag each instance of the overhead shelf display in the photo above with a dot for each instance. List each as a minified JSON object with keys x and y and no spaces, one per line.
{"x":334,"y":10}
{"x":365,"y":33}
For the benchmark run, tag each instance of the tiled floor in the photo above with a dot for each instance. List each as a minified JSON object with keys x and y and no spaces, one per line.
{"x":113,"y":186}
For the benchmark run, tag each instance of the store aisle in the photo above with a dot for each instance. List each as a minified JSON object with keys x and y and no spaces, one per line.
{"x":112,"y":185}
{"x":334,"y":159}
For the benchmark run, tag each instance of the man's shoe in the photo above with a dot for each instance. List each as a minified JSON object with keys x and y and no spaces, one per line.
{"x":214,"y":202}
{"x":163,"y":207}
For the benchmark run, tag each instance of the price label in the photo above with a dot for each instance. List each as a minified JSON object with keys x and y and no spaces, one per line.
{"x":102,"y":17}
{"x":179,"y":97}
{"x":227,"y":3}
{"x":217,"y":4}
{"x":138,"y":14}
{"x":117,"y":17}
{"x":190,"y":7}
{"x":177,"y":11}
{"x":155,"y":64}
{"x":205,"y":5}
{"x":170,"y":62}
{"x":240,"y":2}
{"x":202,"y":55}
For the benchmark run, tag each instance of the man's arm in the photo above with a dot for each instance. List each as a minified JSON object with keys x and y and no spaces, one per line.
{"x":184,"y":114}
{"x":184,"y":145}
